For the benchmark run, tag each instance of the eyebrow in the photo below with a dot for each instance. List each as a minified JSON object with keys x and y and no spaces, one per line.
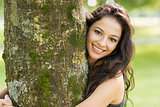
{"x":116,"y":36}
{"x":112,"y":35}
{"x":99,"y":28}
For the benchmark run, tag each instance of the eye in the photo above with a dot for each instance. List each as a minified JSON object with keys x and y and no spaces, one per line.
{"x":97,"y":32}
{"x":113,"y":40}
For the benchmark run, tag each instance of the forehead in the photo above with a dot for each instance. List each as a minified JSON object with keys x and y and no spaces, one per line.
{"x":109,"y":25}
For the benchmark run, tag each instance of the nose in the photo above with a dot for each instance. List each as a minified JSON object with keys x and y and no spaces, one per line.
{"x":103,"y":42}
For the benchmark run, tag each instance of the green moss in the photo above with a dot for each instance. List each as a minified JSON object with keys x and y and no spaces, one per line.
{"x":43,"y":82}
{"x":45,"y":35}
{"x":45,"y":8}
{"x":75,"y":88}
{"x":69,"y":12}
{"x":33,"y":57}
{"x":47,"y":26}
{"x":34,"y":72}
{"x":31,"y":71}
{"x":62,"y":25}
{"x":17,"y":75}
{"x":82,"y":76}
{"x":48,"y":56}
{"x":45,"y":104}
{"x":76,"y":40}
{"x":43,"y":87}
{"x":61,"y":53}
{"x":14,"y":13}
{"x":50,"y":40}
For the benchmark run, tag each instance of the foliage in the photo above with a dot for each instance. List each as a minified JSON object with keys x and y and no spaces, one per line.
{"x":1,"y":7}
{"x":146,"y":66}
{"x":130,"y":4}
{"x":147,"y":31}
{"x":1,"y":37}
{"x":2,"y":74}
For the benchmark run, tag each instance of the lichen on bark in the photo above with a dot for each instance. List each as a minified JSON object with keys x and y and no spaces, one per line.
{"x":14,"y":90}
{"x":43,"y":62}
{"x":14,"y":13}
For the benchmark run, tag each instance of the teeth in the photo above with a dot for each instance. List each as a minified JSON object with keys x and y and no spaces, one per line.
{"x":97,"y":48}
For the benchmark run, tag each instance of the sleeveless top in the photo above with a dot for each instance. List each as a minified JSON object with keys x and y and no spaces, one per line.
{"x":118,"y":105}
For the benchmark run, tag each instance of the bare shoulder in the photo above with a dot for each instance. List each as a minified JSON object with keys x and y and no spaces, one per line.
{"x":114,"y":88}
{"x":115,"y":82}
{"x":108,"y":92}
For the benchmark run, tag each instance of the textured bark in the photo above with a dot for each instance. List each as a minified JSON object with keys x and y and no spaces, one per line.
{"x":44,"y":52}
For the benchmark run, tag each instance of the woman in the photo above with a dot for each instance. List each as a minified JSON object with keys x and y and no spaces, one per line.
{"x":109,"y":50}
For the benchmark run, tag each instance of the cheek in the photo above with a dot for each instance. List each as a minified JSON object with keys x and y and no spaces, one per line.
{"x":112,"y":47}
{"x":89,"y":40}
{"x":92,"y":37}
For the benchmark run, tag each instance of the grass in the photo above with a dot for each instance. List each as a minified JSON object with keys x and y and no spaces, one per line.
{"x":146,"y":66}
{"x":2,"y":68}
{"x":2,"y":74}
{"x":1,"y":37}
{"x":147,"y":31}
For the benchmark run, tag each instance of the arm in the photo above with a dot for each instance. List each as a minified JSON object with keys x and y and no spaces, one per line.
{"x":5,"y":101}
{"x":3,"y":92}
{"x":109,"y":92}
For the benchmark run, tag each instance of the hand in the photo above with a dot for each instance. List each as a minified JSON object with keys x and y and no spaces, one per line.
{"x":6,"y":102}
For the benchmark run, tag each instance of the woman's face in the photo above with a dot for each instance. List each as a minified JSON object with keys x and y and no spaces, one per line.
{"x":103,"y":37}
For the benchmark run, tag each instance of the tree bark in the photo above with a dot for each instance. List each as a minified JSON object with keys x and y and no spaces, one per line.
{"x":44,"y":52}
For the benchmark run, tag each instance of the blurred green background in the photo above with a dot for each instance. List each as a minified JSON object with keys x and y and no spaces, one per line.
{"x":145,"y":17}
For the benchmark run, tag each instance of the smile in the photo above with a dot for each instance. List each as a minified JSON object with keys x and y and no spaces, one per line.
{"x":97,"y":49}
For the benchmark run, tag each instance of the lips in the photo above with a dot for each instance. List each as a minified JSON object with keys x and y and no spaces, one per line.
{"x":97,"y":49}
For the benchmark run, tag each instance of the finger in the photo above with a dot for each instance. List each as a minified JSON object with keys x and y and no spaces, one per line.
{"x":2,"y":102}
{"x":9,"y":102}
{"x":7,"y":106}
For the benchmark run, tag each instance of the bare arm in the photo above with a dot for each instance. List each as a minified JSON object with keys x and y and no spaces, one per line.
{"x":5,"y":101}
{"x":3,"y":92}
{"x":109,"y":92}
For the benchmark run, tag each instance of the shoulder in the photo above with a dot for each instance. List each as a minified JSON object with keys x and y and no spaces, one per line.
{"x":113,"y":89}
{"x":108,"y":92}
{"x":114,"y":83}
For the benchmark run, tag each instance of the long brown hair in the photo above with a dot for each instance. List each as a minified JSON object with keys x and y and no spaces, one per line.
{"x":120,"y":58}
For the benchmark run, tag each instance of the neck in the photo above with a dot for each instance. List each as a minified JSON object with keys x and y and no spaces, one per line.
{"x":91,"y":61}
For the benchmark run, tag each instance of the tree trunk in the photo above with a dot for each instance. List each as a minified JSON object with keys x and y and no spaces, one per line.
{"x":44,"y":52}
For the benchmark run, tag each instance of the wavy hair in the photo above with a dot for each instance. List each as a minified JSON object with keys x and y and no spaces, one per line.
{"x":121,"y":56}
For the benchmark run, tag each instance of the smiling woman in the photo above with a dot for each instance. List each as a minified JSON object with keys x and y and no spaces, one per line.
{"x":109,"y":50}
{"x":103,"y":37}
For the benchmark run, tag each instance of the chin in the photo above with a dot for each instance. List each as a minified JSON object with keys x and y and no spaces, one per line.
{"x":95,"y":57}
